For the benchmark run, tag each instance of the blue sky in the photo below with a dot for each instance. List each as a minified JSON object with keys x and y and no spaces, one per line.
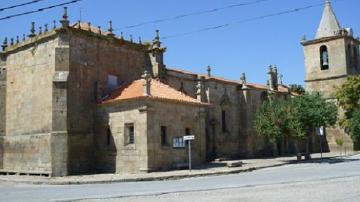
{"x":246,"y":47}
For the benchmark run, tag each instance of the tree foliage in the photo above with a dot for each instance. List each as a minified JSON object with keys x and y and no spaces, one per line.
{"x":355,"y":126}
{"x":299,"y":89}
{"x":271,"y":120}
{"x":310,"y":111}
{"x":298,"y":116}
{"x":348,"y":96}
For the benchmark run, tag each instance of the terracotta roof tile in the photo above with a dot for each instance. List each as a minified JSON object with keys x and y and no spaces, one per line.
{"x":250,"y":85}
{"x":158,"y":91}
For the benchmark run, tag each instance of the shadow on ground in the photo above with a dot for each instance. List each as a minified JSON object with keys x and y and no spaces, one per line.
{"x":328,"y":160}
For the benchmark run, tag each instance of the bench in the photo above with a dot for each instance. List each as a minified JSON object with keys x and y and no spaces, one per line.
{"x":28,"y":173}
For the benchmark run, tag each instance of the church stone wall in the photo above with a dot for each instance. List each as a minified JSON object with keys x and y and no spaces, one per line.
{"x":27,"y":153}
{"x":27,"y":144}
{"x":240,"y":106}
{"x":225,"y":97}
{"x":29,"y":89}
{"x":164,"y":157}
{"x":92,"y":59}
{"x":118,"y":156}
{"x":2,"y":105}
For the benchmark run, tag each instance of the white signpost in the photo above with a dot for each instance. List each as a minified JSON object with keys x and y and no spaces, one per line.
{"x":189,"y":138}
{"x":321,"y":134}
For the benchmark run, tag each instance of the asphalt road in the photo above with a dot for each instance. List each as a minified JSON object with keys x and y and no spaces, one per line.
{"x":335,"y":180}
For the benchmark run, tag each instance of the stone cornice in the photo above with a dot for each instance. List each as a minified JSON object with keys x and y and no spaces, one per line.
{"x":326,"y":39}
{"x":55,"y":33}
{"x":327,"y":78}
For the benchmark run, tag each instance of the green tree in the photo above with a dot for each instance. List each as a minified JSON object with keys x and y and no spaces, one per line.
{"x":309,"y":112}
{"x":299,"y":117}
{"x":271,"y":120}
{"x":297,"y":89}
{"x":355,"y":126}
{"x":348,"y":96}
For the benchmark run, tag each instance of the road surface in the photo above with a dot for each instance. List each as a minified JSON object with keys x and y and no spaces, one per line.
{"x":329,"y":181}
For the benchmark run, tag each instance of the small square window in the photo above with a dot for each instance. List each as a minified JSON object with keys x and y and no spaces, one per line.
{"x":129,"y":133}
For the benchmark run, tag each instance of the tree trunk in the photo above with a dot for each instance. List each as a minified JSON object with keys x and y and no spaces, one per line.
{"x":307,"y":149}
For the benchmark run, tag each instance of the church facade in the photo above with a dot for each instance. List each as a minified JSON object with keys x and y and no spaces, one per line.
{"x":76,"y":99}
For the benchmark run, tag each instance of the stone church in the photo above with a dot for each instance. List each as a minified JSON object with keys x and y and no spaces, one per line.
{"x":77,"y":99}
{"x":329,"y":59}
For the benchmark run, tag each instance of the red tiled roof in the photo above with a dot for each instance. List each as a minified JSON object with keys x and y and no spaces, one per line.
{"x":158,"y":91}
{"x":281,"y":88}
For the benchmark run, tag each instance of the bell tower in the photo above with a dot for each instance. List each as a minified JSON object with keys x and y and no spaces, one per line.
{"x":331,"y":57}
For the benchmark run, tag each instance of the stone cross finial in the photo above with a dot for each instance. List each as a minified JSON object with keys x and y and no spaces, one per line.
{"x":32,"y":30}
{"x":281,"y":79}
{"x":209,"y":71}
{"x":11,"y":41}
{"x":270,"y":68}
{"x":303,"y":38}
{"x":40,"y":30}
{"x":46,"y":28}
{"x":147,"y":83}
{"x":54,"y":24}
{"x":110,"y":30}
{"x":157,"y":35}
{"x":89,"y":26}
{"x":243,"y":78}
{"x":275,"y":69}
{"x":17,"y":40}
{"x":156,"y":41}
{"x":5,"y":44}
{"x":65,"y":20}
{"x":24,"y":37}
{"x":79,"y":24}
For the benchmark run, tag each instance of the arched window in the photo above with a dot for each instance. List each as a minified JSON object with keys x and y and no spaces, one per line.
{"x":324,"y":58}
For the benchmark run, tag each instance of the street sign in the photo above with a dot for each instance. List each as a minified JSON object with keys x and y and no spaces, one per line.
{"x":321,"y":131}
{"x":189,"y":137}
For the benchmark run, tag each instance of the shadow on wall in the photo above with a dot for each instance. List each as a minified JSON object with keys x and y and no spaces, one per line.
{"x":106,"y":154}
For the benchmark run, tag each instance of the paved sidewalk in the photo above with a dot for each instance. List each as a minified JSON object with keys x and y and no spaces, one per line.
{"x":214,"y":168}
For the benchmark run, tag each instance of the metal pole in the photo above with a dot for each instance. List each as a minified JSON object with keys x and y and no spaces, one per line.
{"x":189,"y":142}
{"x":320,"y":146}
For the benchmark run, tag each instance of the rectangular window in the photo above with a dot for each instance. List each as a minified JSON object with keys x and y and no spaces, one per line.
{"x":112,"y":83}
{"x":223,"y":121}
{"x":163,"y":136}
{"x":129,"y":133}
{"x":178,"y":142}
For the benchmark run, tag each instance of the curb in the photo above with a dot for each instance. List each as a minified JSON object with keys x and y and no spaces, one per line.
{"x":141,"y":179}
